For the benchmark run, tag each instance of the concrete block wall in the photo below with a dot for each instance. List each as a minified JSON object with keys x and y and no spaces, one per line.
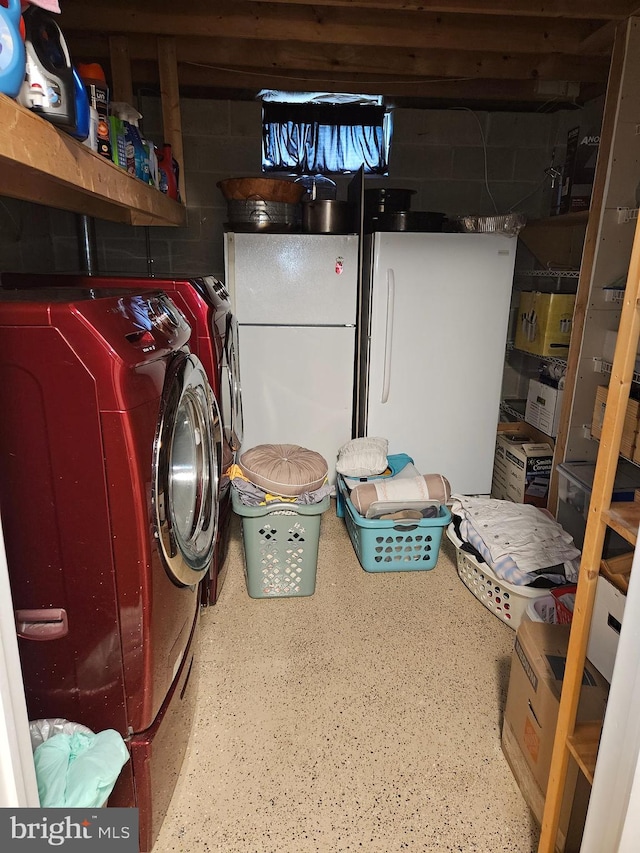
{"x":442,"y":154}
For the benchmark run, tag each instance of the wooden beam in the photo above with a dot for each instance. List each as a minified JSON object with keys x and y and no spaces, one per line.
{"x":393,"y":88}
{"x":170,"y":96}
{"x":619,"y":9}
{"x":121,"y":85}
{"x":255,"y":56}
{"x":246,"y":19}
{"x":558,"y":9}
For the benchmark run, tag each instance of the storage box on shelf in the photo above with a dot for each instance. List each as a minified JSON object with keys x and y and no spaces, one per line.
{"x":544,"y":323}
{"x":631,"y":423}
{"x":505,"y":600}
{"x":575,"y":484}
{"x":543,"y":407}
{"x":280,"y":541}
{"x":393,"y":546}
{"x":606,"y":622}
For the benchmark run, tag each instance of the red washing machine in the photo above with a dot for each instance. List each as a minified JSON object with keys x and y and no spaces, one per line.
{"x":109,"y":459}
{"x":206,"y":304}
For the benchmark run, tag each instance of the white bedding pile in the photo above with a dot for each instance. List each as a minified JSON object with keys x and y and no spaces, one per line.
{"x":518,"y":541}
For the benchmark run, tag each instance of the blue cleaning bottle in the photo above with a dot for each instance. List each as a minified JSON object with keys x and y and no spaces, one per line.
{"x":12,"y":55}
{"x":83,"y":115}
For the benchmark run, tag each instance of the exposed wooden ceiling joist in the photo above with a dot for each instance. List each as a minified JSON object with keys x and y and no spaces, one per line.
{"x":331,"y":25}
{"x":397,"y":48}
{"x":618,"y":9}
{"x":252,"y":55}
{"x":403,"y":92}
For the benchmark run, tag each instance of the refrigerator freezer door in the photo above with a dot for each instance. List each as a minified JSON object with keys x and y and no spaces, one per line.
{"x":293,"y":279}
{"x":297,"y":387}
{"x":439,"y":316}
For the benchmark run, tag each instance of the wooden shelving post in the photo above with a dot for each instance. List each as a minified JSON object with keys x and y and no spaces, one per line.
{"x":571,"y":738}
{"x":170,"y":95}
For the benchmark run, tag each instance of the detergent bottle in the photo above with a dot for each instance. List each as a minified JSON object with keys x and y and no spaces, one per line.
{"x":83,"y":110}
{"x":48,"y":87}
{"x":12,"y":53}
{"x":167,"y":171}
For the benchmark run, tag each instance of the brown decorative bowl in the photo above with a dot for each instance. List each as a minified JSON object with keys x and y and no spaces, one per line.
{"x":261,"y":189}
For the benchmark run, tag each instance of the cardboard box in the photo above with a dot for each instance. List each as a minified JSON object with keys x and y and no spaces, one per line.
{"x":584,"y":171}
{"x":544,"y":323}
{"x":606,"y":622}
{"x":529,"y":473}
{"x":579,"y":170}
{"x":568,"y":169}
{"x":575,"y":800}
{"x":543,"y":407}
{"x":521,"y":465}
{"x":535,"y":684}
{"x":631,"y":422}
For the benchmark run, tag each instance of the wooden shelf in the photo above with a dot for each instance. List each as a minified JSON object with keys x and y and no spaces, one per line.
{"x":583,"y":745}
{"x":41,"y":164}
{"x":624,"y":518}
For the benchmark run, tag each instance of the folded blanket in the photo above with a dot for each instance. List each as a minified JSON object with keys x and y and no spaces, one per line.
{"x":427,"y":487}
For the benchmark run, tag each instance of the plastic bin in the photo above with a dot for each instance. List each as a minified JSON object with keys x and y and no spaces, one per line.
{"x":575,"y":483}
{"x":541,"y":610}
{"x":393,"y":546}
{"x":280,"y":542}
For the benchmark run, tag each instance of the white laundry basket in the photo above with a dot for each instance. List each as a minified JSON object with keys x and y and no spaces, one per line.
{"x":505,"y":600}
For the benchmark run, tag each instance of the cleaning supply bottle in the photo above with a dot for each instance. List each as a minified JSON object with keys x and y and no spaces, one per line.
{"x":95,"y":83}
{"x":12,"y":53}
{"x":154,"y":168}
{"x":83,"y":113}
{"x":166,"y":171}
{"x":48,"y":87}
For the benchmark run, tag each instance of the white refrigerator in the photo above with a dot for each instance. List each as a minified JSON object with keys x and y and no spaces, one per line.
{"x":434,"y":315}
{"x":294,"y":297}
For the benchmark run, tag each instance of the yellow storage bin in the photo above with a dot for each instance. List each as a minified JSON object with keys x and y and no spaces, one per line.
{"x":544,"y":323}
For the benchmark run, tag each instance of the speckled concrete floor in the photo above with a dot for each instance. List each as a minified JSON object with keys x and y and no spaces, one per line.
{"x":363,"y":718}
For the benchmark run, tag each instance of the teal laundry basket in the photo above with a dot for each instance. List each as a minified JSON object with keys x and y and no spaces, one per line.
{"x":280,"y":542}
{"x":393,"y":546}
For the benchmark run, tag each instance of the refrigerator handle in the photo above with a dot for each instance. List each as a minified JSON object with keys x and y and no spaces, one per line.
{"x":388,"y":335}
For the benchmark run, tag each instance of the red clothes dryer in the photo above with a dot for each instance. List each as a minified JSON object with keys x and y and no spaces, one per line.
{"x":206,"y":304}
{"x":109,"y":460}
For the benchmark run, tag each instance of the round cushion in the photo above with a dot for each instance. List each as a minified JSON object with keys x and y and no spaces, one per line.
{"x":284,"y":469}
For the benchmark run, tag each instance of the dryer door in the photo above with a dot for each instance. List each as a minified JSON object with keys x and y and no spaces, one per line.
{"x":187,"y":459}
{"x":231,"y":388}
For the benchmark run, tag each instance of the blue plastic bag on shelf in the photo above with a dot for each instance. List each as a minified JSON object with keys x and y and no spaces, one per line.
{"x":75,"y":768}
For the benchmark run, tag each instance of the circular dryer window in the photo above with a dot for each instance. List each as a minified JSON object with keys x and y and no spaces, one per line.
{"x":187,"y":471}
